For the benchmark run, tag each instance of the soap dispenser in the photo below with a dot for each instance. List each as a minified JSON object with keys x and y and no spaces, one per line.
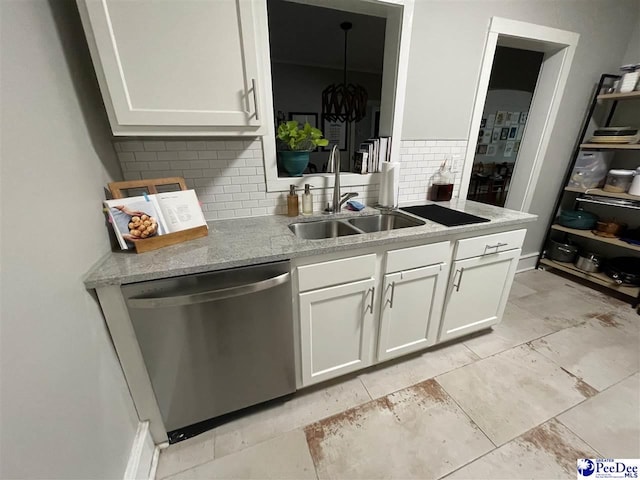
{"x":293,"y":208}
{"x":307,"y":200}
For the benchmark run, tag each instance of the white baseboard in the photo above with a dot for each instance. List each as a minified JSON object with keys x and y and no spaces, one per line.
{"x":154,"y":463}
{"x":143,"y":455}
{"x":527,"y":262}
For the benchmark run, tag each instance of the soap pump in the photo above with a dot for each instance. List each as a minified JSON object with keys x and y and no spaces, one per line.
{"x":307,"y":200}
{"x":293,"y":208}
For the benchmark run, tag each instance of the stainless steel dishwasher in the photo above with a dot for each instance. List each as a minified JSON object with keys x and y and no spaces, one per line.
{"x":215,"y":342}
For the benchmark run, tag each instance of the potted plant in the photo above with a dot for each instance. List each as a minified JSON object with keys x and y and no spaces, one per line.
{"x":296,"y":144}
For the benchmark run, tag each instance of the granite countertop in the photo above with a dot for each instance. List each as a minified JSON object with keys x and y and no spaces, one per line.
{"x":253,"y":240}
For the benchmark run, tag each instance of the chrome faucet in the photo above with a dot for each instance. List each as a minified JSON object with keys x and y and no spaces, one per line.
{"x":338,"y":200}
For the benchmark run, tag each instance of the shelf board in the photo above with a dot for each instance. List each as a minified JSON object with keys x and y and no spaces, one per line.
{"x":597,"y":238}
{"x":595,"y":277}
{"x":601,"y":193}
{"x":619,"y":96}
{"x":611,"y":146}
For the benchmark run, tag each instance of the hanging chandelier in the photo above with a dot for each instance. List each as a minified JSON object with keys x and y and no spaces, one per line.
{"x":344,"y":102}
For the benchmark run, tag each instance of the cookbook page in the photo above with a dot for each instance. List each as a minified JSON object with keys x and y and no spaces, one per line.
{"x":180,"y":210}
{"x":133,"y":219}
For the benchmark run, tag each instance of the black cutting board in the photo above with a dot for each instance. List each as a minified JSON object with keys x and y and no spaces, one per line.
{"x":444,"y":216}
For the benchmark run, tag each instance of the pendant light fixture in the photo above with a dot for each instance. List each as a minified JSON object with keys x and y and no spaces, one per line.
{"x":344,"y":102}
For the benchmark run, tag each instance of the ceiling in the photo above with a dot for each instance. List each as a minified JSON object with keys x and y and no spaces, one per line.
{"x":308,"y":35}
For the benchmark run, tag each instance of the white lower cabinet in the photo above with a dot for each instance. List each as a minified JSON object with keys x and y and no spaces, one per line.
{"x":336,"y":330}
{"x":358,"y":310}
{"x":478,"y":293}
{"x":410,"y":310}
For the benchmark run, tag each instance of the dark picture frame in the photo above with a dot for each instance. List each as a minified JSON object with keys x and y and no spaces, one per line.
{"x":336,"y":132}
{"x":303,"y":117}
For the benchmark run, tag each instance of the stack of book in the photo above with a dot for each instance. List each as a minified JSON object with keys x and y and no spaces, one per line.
{"x":371,"y":154}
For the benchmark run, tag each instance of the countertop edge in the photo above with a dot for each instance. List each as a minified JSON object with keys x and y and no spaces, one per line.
{"x":92,"y":284}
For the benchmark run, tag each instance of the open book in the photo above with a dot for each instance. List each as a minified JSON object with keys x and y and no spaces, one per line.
{"x":137,"y":218}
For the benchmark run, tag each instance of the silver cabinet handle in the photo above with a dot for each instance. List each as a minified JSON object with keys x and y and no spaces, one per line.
{"x":254,"y":87}
{"x":457,"y":287}
{"x":208,"y":296}
{"x":373,"y":294}
{"x":393,"y":291}
{"x":496,"y":246}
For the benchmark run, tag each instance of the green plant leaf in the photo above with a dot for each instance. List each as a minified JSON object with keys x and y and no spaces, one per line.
{"x":295,"y":138}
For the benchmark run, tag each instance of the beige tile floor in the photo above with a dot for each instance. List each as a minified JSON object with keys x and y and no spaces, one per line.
{"x":557,"y":380}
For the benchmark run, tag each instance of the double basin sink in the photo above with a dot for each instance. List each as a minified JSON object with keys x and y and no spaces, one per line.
{"x":332,"y":228}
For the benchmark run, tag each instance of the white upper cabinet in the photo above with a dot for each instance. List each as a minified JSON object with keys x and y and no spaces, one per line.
{"x":178,"y":67}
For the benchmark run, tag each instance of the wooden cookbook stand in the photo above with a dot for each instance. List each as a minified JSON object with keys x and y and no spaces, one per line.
{"x":154,"y":243}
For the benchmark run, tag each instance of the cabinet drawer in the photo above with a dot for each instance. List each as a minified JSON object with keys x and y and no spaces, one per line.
{"x":414,"y":257}
{"x":488,"y":244}
{"x":336,"y":272}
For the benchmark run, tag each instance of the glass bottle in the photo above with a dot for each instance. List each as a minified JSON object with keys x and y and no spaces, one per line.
{"x":307,"y":200}
{"x":293,"y":207}
{"x":442,"y":184}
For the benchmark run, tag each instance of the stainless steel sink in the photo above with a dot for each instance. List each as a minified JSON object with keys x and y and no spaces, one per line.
{"x":384,"y":221}
{"x":322,"y":229}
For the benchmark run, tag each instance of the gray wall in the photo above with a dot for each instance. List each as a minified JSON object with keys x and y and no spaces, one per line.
{"x":444,"y":67}
{"x":66,"y":411}
{"x":632,"y":54}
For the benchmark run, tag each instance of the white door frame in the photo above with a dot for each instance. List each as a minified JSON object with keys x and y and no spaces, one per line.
{"x":559,"y":48}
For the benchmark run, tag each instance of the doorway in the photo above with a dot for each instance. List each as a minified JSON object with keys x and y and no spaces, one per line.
{"x":513,"y":80}
{"x":557,"y":48}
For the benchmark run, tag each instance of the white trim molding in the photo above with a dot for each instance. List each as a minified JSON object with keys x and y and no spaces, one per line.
{"x":399,"y":15}
{"x":143,"y":458}
{"x":527,"y":262}
{"x":559,"y":48}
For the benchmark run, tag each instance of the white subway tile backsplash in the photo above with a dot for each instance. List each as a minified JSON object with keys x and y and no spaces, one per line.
{"x":167,"y":155}
{"x":154,"y":146}
{"x":208,"y":155}
{"x":232,"y":188}
{"x":146,"y":156}
{"x":199,"y":145}
{"x":215,"y":145}
{"x":228,"y":174}
{"x":187,"y":155}
{"x":132,"y":146}
{"x":131,"y":175}
{"x":223,"y":197}
{"x":159,"y":165}
{"x":199,"y":164}
{"x":259,"y":211}
{"x":241,"y":196}
{"x":176,"y":146}
{"x":137,"y":166}
{"x":126,"y":157}
{"x":192,"y":173}
{"x":420,"y":160}
{"x":234,"y":145}
{"x":258,"y":195}
{"x":239,"y":180}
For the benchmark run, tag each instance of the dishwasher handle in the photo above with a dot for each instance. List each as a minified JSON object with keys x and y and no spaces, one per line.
{"x":208,"y":296}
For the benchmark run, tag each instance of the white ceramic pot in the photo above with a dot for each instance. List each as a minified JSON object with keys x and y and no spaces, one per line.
{"x":634,"y":189}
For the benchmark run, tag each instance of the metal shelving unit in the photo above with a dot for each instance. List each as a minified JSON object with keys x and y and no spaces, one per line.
{"x":596,"y":196}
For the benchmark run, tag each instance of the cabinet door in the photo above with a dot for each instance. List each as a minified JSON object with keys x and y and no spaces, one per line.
{"x":173,"y":63}
{"x":477,"y":293}
{"x":336,"y":328}
{"x":411,"y":309}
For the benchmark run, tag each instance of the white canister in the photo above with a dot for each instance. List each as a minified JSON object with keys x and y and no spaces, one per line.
{"x":634,"y":189}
